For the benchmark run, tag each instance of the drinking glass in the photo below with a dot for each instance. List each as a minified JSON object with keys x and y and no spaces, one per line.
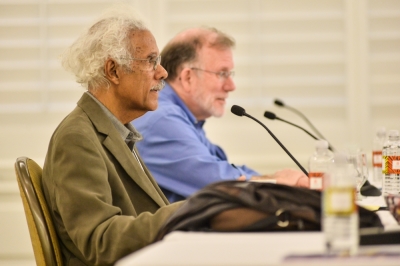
{"x":358,"y":159}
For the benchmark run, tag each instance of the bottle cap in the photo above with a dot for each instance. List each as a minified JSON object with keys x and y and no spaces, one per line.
{"x":321,"y":144}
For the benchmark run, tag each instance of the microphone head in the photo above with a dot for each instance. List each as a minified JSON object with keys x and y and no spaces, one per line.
{"x":237,"y":110}
{"x":269,"y":115}
{"x":279,"y":102}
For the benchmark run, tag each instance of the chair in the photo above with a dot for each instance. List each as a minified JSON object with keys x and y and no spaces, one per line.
{"x":41,"y":229}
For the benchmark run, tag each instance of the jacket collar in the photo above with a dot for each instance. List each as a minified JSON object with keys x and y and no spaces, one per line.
{"x":114,"y":143}
{"x":170,"y":94}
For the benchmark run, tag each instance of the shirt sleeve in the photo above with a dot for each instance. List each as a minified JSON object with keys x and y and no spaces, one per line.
{"x":180,"y":156}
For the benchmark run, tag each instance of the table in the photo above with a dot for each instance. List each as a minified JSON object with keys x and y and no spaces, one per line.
{"x":205,"y":248}
{"x":386,"y":218}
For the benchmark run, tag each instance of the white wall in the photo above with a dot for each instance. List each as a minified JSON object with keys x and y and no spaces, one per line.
{"x":338,"y":61}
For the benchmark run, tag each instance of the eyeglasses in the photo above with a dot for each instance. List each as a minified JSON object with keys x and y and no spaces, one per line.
{"x":152,"y":61}
{"x":220,"y":75}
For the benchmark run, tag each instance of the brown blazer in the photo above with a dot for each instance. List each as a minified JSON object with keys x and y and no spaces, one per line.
{"x":103,"y":205}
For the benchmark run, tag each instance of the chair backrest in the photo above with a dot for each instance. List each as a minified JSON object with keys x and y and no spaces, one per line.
{"x":41,"y":229}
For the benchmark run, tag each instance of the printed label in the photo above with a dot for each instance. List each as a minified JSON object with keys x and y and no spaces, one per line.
{"x":316,"y":180}
{"x":340,"y":200}
{"x":391,"y":165}
{"x":377,"y":158}
{"x":396,"y":165}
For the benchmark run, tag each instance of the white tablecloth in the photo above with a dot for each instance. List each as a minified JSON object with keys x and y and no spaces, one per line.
{"x":198,"y":248}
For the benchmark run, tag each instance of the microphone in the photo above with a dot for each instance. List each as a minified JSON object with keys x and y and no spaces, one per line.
{"x":272,"y":116}
{"x":282,"y":104}
{"x":239,"y":111}
{"x":367,"y":189}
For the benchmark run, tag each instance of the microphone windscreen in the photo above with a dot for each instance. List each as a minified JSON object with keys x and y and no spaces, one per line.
{"x":279,"y":102}
{"x":269,"y":115}
{"x":237,"y":110}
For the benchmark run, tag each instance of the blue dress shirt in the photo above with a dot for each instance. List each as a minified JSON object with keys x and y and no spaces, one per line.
{"x":177,"y":152}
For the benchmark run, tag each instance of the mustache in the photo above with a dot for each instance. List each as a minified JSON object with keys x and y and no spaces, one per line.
{"x":159,"y":86}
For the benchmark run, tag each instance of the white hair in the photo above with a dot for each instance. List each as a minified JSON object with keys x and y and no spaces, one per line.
{"x":106,"y":38}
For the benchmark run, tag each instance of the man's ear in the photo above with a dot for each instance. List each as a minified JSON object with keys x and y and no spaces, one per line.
{"x":111,"y":71}
{"x":186,"y":79}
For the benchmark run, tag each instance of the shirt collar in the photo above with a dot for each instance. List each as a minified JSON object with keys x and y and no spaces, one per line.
{"x":170,"y":92}
{"x":127,"y":131}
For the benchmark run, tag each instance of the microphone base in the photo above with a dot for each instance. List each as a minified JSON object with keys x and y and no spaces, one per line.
{"x":369,"y":190}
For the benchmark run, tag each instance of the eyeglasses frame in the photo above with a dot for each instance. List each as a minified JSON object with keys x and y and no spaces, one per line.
{"x":220,"y":74}
{"x":155,"y":61}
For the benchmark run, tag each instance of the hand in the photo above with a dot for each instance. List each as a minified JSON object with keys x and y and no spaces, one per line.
{"x":292,"y":178}
{"x":263,"y":178}
{"x":241,"y":178}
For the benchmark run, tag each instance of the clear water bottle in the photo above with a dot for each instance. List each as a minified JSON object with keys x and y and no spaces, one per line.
{"x":340,"y":212}
{"x":377,"y":147}
{"x":318,"y":164}
{"x":391,"y":164}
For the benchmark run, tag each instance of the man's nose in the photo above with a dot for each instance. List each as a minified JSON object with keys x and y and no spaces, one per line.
{"x":161,"y":73}
{"x":229,"y":84}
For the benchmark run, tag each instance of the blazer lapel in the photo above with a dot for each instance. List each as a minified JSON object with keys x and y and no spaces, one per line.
{"x":151,"y":178}
{"x":114,"y":143}
{"x":125,"y":157}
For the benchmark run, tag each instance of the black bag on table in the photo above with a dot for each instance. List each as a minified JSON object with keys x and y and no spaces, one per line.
{"x":237,"y":206}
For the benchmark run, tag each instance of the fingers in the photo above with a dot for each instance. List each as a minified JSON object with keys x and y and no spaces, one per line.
{"x":303,"y":181}
{"x":292,"y":177}
{"x":241,"y":178}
